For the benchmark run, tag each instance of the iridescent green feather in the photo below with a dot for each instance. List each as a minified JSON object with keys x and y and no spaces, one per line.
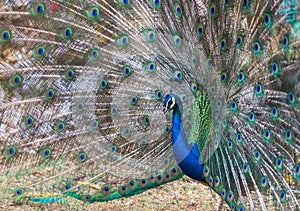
{"x":202,"y":127}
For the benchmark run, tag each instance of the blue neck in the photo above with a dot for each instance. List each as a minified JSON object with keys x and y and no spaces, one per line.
{"x":186,"y":155}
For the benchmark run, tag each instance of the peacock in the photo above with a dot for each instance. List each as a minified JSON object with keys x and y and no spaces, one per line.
{"x":103,"y":99}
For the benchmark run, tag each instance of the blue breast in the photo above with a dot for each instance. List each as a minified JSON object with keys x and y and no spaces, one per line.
{"x":186,"y":155}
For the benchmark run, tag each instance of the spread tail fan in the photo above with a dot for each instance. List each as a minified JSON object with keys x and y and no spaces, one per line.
{"x":106,"y":99}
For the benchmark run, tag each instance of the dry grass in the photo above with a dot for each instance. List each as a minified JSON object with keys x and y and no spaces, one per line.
{"x":183,"y":194}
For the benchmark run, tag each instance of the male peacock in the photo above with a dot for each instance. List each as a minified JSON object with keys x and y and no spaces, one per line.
{"x":84,"y":85}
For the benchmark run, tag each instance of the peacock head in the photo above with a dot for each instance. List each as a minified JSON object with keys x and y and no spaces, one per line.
{"x":171,"y":102}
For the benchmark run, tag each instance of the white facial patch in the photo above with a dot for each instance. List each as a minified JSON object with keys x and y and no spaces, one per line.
{"x":173,"y":102}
